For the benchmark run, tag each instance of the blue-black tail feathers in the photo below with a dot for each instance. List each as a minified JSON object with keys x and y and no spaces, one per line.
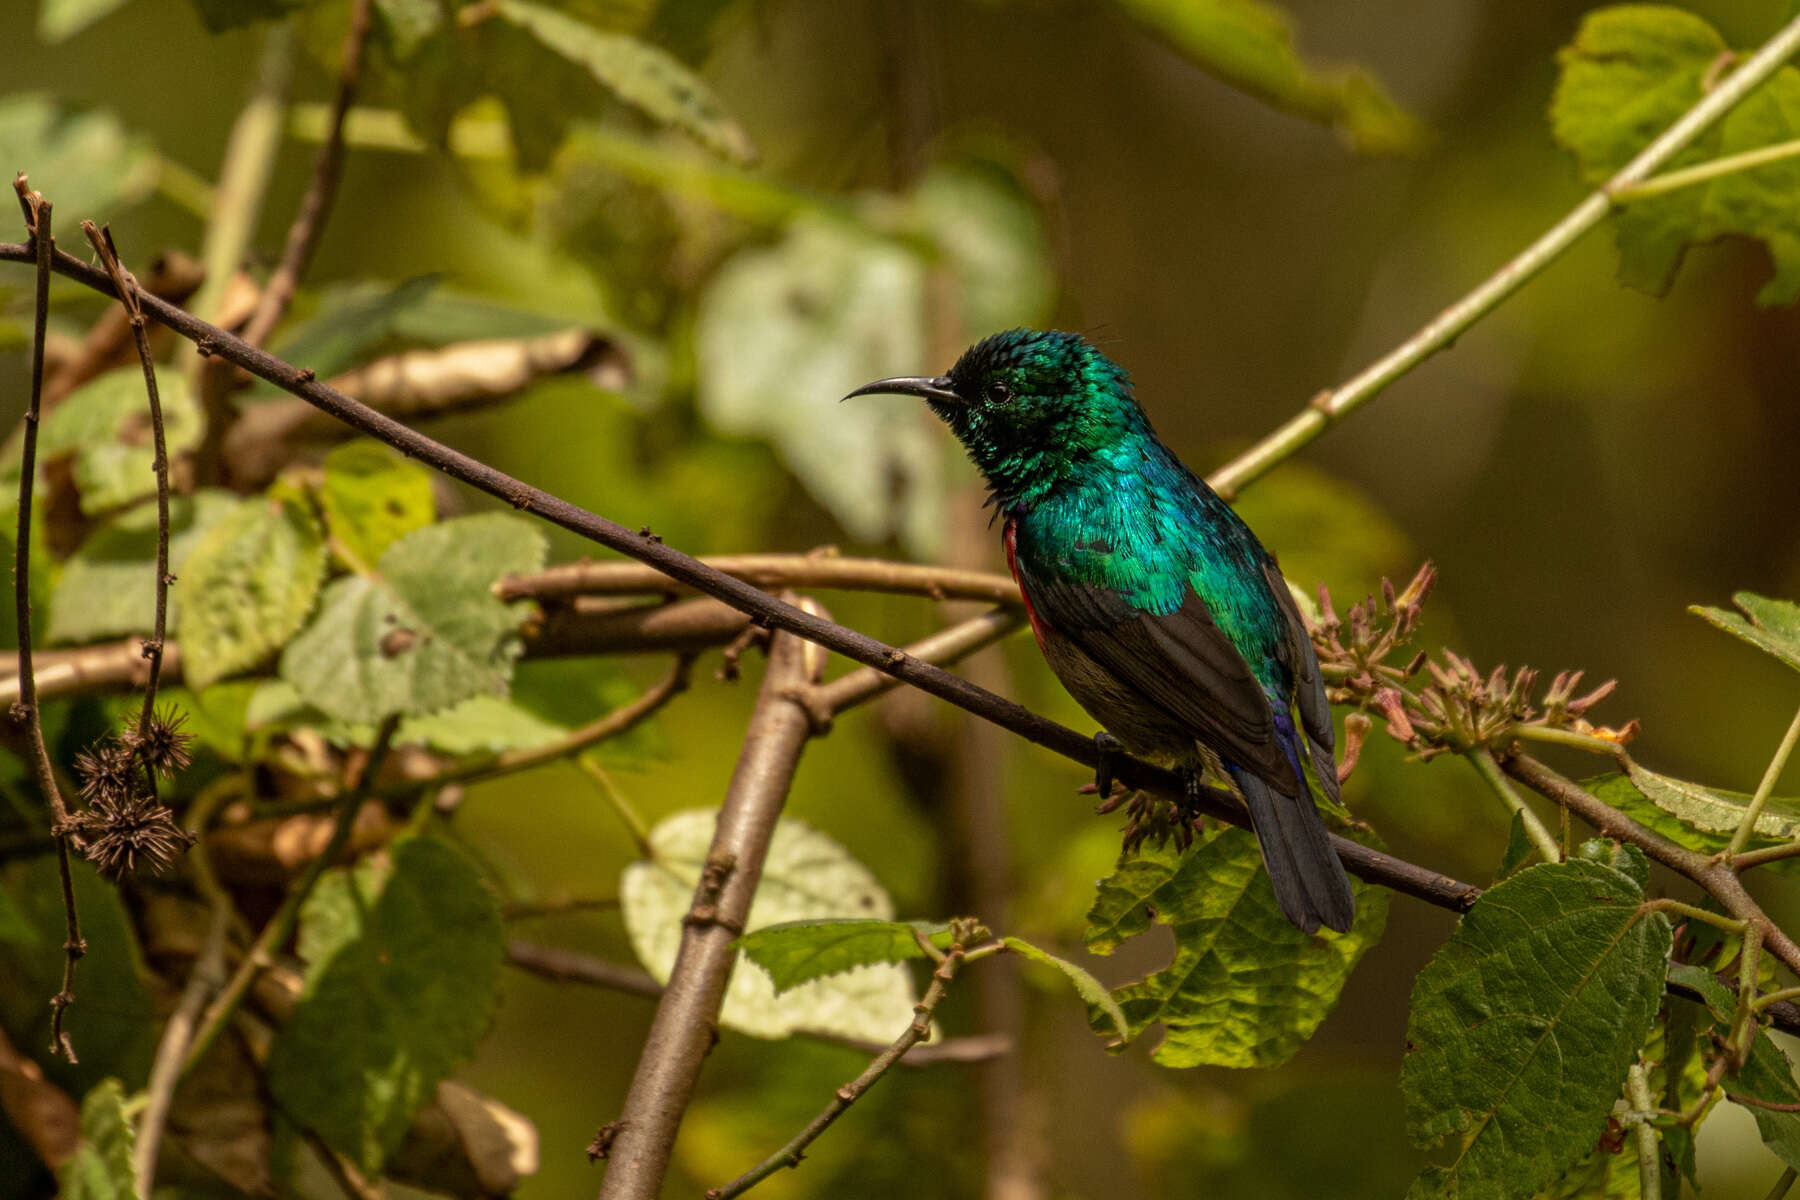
{"x":1310,"y":884}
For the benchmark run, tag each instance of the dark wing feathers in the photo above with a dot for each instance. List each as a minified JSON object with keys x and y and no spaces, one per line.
{"x":1309,"y":686}
{"x":1182,"y":662}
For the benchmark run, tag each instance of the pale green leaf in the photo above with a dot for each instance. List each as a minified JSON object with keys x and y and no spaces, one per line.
{"x":1246,"y":988}
{"x":59,"y":20}
{"x":101,"y":1167}
{"x":407,"y":23}
{"x":1629,"y":73}
{"x":85,"y":162}
{"x":1249,"y":44}
{"x":1772,"y":626}
{"x":425,"y":631}
{"x":797,"y":952}
{"x":247,"y":587}
{"x":1523,"y":1024}
{"x":1698,"y":817}
{"x":1085,"y":985}
{"x":642,"y":75}
{"x":402,"y":965}
{"x":108,"y":587}
{"x":987,"y":229}
{"x":372,"y":497}
{"x":807,"y":876}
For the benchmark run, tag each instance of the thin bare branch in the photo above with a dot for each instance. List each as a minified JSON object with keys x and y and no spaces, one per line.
{"x":815,"y":570}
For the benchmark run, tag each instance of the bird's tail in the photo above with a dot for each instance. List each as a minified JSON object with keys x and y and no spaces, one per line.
{"x":1310,"y":884}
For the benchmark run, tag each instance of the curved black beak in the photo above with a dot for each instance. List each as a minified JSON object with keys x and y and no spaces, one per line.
{"x":938,"y":388}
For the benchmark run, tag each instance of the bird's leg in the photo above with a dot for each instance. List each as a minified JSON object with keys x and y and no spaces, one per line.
{"x":1106,"y":749}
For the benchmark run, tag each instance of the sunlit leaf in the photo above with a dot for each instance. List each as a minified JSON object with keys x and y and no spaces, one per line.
{"x":101,"y":1167}
{"x":640,"y":74}
{"x":59,"y":20}
{"x":372,"y":497}
{"x":1772,"y":625}
{"x":85,"y":162}
{"x":402,"y":962}
{"x":108,"y":586}
{"x":425,"y":631}
{"x":1629,"y":73}
{"x":1249,"y":44}
{"x":1698,"y":817}
{"x":806,"y":876}
{"x":248,"y":585}
{"x":1086,"y":986}
{"x":1523,"y":1024}
{"x":1246,"y":988}
{"x":992,"y":242}
{"x":797,"y":952}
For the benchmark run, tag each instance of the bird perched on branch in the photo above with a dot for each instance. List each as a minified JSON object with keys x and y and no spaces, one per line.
{"x":1152,"y":601}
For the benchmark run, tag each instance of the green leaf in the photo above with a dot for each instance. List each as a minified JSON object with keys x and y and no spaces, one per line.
{"x":986,"y":227}
{"x":59,"y":20}
{"x":1629,"y":73}
{"x":350,"y":320}
{"x":1769,"y":1076}
{"x":1518,"y":848}
{"x":402,"y":965}
{"x":248,"y":584}
{"x":105,"y":425}
{"x":373,"y":496}
{"x":1246,"y":988}
{"x":407,"y":23}
{"x":806,"y":877}
{"x":638,"y":73}
{"x":85,"y":161}
{"x":1085,"y":985}
{"x":1773,"y":625}
{"x":101,"y":1167}
{"x":1249,"y":45}
{"x":1524,"y":1022}
{"x":108,"y":586}
{"x":1698,"y":817}
{"x":426,"y":630}
{"x":797,"y":952}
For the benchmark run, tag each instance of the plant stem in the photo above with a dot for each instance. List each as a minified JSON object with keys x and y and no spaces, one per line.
{"x":1333,"y":405}
{"x":1782,"y":1185}
{"x":1637,"y":1087}
{"x":634,"y":824}
{"x":1483,"y":760}
{"x":1705,"y":172}
{"x":1747,"y":825}
{"x":768,"y":571}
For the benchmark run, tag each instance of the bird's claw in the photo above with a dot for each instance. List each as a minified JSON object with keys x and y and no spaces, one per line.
{"x":1106,"y":749}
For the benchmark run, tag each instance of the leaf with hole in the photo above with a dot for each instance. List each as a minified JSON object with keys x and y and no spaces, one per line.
{"x":1523,"y":1024}
{"x":372,"y":496}
{"x":425,"y":631}
{"x":1629,"y":73}
{"x":806,"y":877}
{"x":402,"y":964}
{"x":1246,"y":988}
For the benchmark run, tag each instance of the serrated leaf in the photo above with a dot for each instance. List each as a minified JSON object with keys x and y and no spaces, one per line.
{"x":807,"y":876}
{"x":1698,"y":817}
{"x":101,"y":1167}
{"x":248,"y":586}
{"x":373,"y":496}
{"x":797,"y":952}
{"x":402,"y":965}
{"x":425,"y":631}
{"x":1629,"y":73}
{"x":105,"y":425}
{"x":59,"y":20}
{"x":1249,"y":45}
{"x":1246,"y":988}
{"x":1085,"y":985}
{"x":642,"y":75}
{"x":1524,"y":1022}
{"x":86,"y":162}
{"x":1773,"y":625}
{"x":108,"y":586}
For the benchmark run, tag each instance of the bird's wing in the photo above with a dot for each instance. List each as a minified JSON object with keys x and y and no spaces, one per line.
{"x":1309,"y":685}
{"x":1182,"y":662}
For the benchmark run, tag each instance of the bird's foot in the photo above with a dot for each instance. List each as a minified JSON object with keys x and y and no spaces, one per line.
{"x":1107,"y":748}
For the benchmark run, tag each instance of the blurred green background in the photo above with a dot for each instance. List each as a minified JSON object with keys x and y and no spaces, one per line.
{"x":1582,"y":466}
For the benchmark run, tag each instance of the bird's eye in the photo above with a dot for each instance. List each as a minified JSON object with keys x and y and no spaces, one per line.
{"x":998,"y":392}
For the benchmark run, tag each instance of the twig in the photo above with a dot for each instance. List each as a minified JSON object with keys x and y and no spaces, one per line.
{"x":43,"y":247}
{"x":1782,"y":1185}
{"x":1483,"y":761}
{"x":315,"y":207}
{"x":1706,"y":172}
{"x":919,"y":1029}
{"x":688,"y":1012}
{"x":1637,"y":1089}
{"x":127,"y":289}
{"x":1747,"y":825}
{"x":1771,"y":1105}
{"x":815,"y":570}
{"x":281,"y":925}
{"x":1442,"y":330}
{"x":1756,"y":858}
{"x":622,"y":808}
{"x":945,"y":646}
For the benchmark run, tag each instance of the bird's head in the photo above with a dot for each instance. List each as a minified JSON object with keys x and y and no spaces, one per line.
{"x":1031,"y":407}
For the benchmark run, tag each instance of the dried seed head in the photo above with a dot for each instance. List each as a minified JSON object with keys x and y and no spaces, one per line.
{"x":121,"y":830}
{"x":106,"y":769}
{"x":162,"y":743}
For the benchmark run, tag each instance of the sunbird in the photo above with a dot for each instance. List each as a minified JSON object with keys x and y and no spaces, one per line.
{"x":1152,"y":601}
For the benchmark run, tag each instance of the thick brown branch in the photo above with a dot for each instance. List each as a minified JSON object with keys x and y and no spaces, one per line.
{"x":687,"y":1015}
{"x":815,"y":570}
{"x":25,"y":708}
